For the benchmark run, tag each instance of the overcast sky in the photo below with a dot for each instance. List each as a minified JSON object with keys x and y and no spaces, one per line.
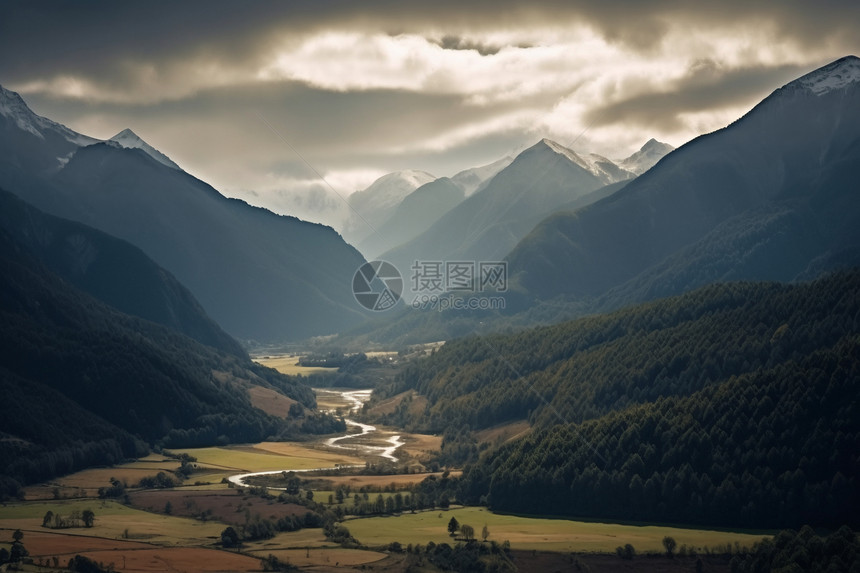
{"x":247,"y":96}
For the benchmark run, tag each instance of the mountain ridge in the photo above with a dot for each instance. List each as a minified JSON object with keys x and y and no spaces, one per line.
{"x":260,"y":275}
{"x":755,"y":162}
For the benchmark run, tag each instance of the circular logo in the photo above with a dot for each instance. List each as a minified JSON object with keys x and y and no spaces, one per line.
{"x":377,"y":285}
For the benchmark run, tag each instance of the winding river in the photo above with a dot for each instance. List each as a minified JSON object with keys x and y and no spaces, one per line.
{"x":354,"y":399}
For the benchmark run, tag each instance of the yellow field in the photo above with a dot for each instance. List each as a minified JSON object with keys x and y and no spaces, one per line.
{"x":268,"y":456}
{"x":533,"y":533}
{"x":290,"y":365}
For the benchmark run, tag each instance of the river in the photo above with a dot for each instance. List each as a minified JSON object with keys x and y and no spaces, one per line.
{"x":352,"y":400}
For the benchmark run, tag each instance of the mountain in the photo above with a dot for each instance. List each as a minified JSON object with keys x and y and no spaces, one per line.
{"x":130,"y":140}
{"x":259,"y":275}
{"x":470,"y":180}
{"x":111,"y":270}
{"x":647,"y":156}
{"x":371,"y":207}
{"x":489,"y":223}
{"x":84,"y":384}
{"x":415,"y":214}
{"x":735,"y":404}
{"x":771,"y":197}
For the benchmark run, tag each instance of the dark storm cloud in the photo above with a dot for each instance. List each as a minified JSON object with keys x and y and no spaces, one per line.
{"x":706,"y":87}
{"x":103,"y":38}
{"x":458,"y":43}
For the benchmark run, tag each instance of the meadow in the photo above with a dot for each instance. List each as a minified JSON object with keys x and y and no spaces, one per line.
{"x":531,"y":533}
{"x":290,"y":365}
{"x":268,"y":456}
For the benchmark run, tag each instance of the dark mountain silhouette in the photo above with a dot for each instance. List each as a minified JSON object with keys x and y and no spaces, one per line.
{"x":85,"y":384}
{"x":112,"y":271}
{"x":259,"y":275}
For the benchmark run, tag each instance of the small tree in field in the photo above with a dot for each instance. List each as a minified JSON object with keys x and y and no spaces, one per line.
{"x":453,"y":526}
{"x":89,"y":517}
{"x":485,"y":533}
{"x":468,"y":532}
{"x":669,"y":543}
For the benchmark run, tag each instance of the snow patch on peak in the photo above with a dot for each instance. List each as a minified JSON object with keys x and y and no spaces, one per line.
{"x":13,"y":107}
{"x":836,"y":75}
{"x":470,"y":180}
{"x":647,"y":156}
{"x":601,"y":167}
{"x":130,"y":140}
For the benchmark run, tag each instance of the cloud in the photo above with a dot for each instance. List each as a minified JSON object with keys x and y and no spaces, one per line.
{"x":371,"y":87}
{"x":705,"y":86}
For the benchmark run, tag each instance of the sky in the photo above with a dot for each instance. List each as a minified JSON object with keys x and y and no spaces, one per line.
{"x":295,"y":105}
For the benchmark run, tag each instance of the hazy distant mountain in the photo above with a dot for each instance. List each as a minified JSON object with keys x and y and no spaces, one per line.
{"x":373,"y":206}
{"x":489,"y":223}
{"x":129,"y":139}
{"x":260,"y":275}
{"x":772,"y":196}
{"x":647,"y":156}
{"x":470,"y":180}
{"x":415,"y":214}
{"x":111,"y":270}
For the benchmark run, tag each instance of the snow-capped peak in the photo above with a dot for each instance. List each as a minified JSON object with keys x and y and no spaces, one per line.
{"x":13,"y":107}
{"x":390,"y":189}
{"x":130,"y":140}
{"x":470,"y":180}
{"x":647,"y":156}
{"x":836,"y":75}
{"x":601,"y":167}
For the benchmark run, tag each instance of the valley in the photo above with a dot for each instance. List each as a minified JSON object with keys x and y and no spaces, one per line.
{"x":180,"y":527}
{"x":397,"y":288}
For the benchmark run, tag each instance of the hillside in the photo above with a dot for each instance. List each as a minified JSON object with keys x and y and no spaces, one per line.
{"x":776,"y":447}
{"x":111,"y":270}
{"x":259,"y":275}
{"x":770,"y":197}
{"x":744,"y":383}
{"x":97,"y":381}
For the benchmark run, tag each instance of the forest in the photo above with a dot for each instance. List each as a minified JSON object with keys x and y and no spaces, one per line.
{"x":733,"y":405}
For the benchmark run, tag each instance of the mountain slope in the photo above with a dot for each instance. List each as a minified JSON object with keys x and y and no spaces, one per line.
{"x":111,"y":270}
{"x":372,"y":206}
{"x":415,"y":214}
{"x":130,"y":140}
{"x":121,"y":372}
{"x":471,"y":180}
{"x":490,"y":222}
{"x":794,"y":158}
{"x":738,"y":402}
{"x":259,"y":275}
{"x":647,"y":156}
{"x":772,"y":448}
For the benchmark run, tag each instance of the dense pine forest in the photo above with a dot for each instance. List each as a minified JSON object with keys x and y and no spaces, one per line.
{"x":735,"y":404}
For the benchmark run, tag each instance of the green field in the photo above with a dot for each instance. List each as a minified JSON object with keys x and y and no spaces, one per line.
{"x":534,"y":533}
{"x":111,"y":521}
